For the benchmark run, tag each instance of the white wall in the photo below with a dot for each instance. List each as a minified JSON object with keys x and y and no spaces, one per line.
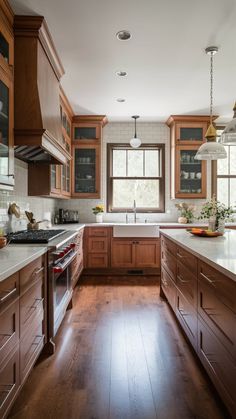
{"x":121,"y":132}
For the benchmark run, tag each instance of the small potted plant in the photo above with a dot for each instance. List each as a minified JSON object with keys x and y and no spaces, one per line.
{"x":186,"y":212}
{"x":216,"y":213}
{"x":98,"y":211}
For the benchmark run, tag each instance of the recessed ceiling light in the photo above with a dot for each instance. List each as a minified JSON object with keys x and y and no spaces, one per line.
{"x":120,"y":99}
{"x":121,"y":73}
{"x":123,"y":35}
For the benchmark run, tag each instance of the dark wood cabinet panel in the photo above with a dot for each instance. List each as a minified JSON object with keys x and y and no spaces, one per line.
{"x":147,"y":253}
{"x":168,"y":260}
{"x":187,"y":283}
{"x":187,"y":259}
{"x":31,"y":304}
{"x":187,"y":316}
{"x":9,"y":382}
{"x":168,"y":287}
{"x":97,"y":245}
{"x":9,"y":291}
{"x":122,"y":254}
{"x":97,"y":260}
{"x":31,"y":274}
{"x":9,"y":330}
{"x":219,"y":365}
{"x":98,"y":231}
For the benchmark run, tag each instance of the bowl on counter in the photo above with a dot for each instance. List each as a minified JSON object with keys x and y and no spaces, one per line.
{"x":3,"y":241}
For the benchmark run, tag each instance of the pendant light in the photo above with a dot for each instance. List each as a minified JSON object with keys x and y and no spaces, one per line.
{"x":135,"y":142}
{"x":211,"y":150}
{"x":228,"y":136}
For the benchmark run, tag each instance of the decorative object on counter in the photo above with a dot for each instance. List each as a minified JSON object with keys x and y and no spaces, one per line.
{"x":228,"y":136}
{"x":14,"y":210}
{"x":135,"y":142}
{"x":211,"y":150}
{"x":32,"y":224}
{"x":186,"y":212}
{"x":98,"y":211}
{"x":3,"y":242}
{"x":216,"y":213}
{"x":204,"y":232}
{"x":68,"y":216}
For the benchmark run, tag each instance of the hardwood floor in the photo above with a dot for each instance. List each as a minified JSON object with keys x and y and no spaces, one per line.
{"x":120,"y":354}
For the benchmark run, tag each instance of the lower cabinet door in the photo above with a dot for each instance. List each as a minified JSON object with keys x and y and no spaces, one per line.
{"x":147,"y":254}
{"x":9,"y":382}
{"x":219,"y":364}
{"x":122,"y":254}
{"x":97,"y":260}
{"x":31,"y":345}
{"x":168,"y":287}
{"x":187,"y":316}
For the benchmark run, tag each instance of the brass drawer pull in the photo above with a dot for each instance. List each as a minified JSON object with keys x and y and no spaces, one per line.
{"x":9,"y":293}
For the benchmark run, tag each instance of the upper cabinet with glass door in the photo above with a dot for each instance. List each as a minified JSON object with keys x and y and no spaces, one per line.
{"x":86,"y":145}
{"x":188,"y":176}
{"x":6,"y":97}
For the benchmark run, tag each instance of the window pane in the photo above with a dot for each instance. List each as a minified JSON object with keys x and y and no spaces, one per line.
{"x":135,"y":163}
{"x":233,"y":192}
{"x":232,"y":157}
{"x":152,"y":163}
{"x":144,"y":192}
{"x":222,"y":190}
{"x":119,"y":163}
{"x":223,"y":164}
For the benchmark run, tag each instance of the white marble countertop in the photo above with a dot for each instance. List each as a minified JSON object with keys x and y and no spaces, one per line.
{"x":173,"y":224}
{"x":219,"y":252}
{"x":14,"y":258}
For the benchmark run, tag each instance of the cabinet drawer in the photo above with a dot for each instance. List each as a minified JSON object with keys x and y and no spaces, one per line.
{"x":187,"y":316}
{"x":98,"y":231}
{"x":168,"y":245}
{"x":219,"y":317}
{"x":224,"y":288}
{"x":9,"y":330}
{"x":9,"y":291}
{"x":97,"y":245}
{"x":9,"y":382}
{"x":31,"y":345}
{"x":219,"y":365}
{"x":168,"y":287}
{"x":187,"y":283}
{"x":168,"y":260}
{"x":31,"y":274}
{"x":97,"y":260}
{"x":188,"y":260}
{"x":31,"y":304}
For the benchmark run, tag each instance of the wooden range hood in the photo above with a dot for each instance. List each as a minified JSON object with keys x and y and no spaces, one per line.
{"x":38,"y":69}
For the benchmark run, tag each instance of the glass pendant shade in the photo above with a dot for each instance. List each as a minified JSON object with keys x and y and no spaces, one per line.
{"x":228,"y":136}
{"x":211,"y":151}
{"x":135,"y":142}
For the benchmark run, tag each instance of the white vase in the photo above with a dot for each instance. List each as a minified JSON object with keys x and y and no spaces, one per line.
{"x":99,"y":217}
{"x":182,"y":220}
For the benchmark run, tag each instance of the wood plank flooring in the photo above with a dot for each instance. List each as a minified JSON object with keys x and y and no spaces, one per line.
{"x":120,"y":355}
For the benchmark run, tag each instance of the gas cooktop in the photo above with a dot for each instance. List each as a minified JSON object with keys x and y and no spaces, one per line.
{"x":34,"y":236}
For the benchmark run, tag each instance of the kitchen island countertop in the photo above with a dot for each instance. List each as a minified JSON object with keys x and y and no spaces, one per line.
{"x":219,"y":252}
{"x":14,"y":258}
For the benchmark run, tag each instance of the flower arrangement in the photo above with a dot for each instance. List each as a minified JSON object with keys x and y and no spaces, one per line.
{"x":98,"y":209}
{"x":216,"y":209}
{"x":186,"y":211}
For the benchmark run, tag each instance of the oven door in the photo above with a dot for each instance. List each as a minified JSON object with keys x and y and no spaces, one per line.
{"x":60,"y":294}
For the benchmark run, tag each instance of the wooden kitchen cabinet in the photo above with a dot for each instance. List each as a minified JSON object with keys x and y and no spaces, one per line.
{"x":204,"y":302}
{"x":188,"y":176}
{"x":86,"y":148}
{"x":97,"y":247}
{"x":55,"y":179}
{"x":135,"y":253}
{"x":22,"y":328}
{"x":77,"y":264}
{"x":6,"y":97}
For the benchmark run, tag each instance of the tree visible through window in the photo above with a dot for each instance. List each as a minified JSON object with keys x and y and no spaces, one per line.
{"x":136,"y":174}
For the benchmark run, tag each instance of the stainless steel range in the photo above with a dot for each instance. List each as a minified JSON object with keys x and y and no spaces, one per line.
{"x":62,"y":251}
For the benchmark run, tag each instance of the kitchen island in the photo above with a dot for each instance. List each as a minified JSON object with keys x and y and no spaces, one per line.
{"x":198,"y":279}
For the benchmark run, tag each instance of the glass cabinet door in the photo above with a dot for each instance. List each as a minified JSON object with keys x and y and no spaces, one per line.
{"x":85,"y":161}
{"x":193,"y":133}
{"x":191,"y":175}
{"x":86,"y":132}
{"x":6,"y":177}
{"x":65,"y":178}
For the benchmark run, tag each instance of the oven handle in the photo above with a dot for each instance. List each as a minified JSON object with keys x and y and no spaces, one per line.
{"x":61,"y":267}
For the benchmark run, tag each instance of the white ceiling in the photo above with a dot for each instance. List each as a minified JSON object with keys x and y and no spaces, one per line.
{"x":168,"y":71}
